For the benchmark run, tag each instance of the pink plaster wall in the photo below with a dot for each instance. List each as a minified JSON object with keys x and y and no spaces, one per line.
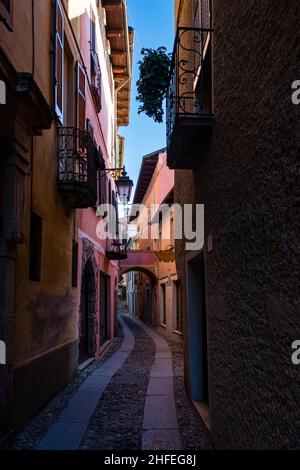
{"x":160,"y":186}
{"x":103,"y":131}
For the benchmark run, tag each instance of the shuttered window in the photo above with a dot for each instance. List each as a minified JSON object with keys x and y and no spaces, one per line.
{"x":98,"y":189}
{"x":81,"y":99}
{"x":93,"y":32}
{"x":59,"y":61}
{"x":109,"y":192}
{"x":103,"y":190}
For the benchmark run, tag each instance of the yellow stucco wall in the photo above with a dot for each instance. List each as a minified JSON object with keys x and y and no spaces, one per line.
{"x":45,"y":310}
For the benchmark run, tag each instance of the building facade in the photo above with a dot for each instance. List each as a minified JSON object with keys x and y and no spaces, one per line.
{"x":67,"y":91}
{"x":233,"y":142}
{"x":107,"y":60}
{"x":154,"y":290}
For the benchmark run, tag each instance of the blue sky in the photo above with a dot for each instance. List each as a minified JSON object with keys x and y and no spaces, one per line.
{"x":153,"y":24}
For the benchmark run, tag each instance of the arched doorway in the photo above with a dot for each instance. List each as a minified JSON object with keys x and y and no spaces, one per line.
{"x":88,"y":314}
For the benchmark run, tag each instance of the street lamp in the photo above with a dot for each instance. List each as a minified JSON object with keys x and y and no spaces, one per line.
{"x":123,"y":183}
{"x":124,"y":187}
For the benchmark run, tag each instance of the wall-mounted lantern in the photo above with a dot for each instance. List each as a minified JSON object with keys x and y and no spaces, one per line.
{"x":123,"y":183}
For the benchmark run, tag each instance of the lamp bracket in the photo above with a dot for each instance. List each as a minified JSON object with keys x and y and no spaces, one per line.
{"x":113,"y":171}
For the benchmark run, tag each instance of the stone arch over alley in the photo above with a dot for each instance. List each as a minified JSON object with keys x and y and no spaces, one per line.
{"x":139,"y":260}
{"x":142,"y":293}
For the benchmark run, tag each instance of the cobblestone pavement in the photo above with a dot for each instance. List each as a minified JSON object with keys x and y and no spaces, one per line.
{"x":117,"y":421}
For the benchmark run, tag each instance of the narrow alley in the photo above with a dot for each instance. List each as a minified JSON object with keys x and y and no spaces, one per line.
{"x":133,"y":398}
{"x":149,"y":227}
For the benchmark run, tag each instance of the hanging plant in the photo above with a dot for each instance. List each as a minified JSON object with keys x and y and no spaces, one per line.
{"x":153,"y":82}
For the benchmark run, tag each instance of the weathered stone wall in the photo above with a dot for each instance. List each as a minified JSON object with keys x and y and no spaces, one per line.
{"x":249,"y":183}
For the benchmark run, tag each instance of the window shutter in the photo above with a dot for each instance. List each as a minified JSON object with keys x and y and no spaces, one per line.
{"x":98,"y":188}
{"x":104,"y":190}
{"x":93,"y":32}
{"x":59,"y":61}
{"x":81,"y":79}
{"x":109,"y":192}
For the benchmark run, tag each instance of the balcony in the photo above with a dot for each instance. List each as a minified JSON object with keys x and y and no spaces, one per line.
{"x":189,"y":114}
{"x":77,"y":167}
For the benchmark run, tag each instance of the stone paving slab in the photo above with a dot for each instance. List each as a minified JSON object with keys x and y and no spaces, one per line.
{"x":63,"y":436}
{"x":127,"y":348}
{"x":80,"y":408}
{"x":118,"y":356}
{"x":160,"y":426}
{"x":95,"y":383}
{"x":163,"y":362}
{"x":160,"y":386}
{"x":162,"y":439}
{"x":161,"y":371}
{"x":163,"y":355}
{"x":106,"y":371}
{"x":160,"y":413}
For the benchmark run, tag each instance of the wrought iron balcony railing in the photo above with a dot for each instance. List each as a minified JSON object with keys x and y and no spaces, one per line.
{"x":185,"y":105}
{"x":77,"y":173}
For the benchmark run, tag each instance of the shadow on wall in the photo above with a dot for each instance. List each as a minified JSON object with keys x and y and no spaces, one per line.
{"x":46,"y":329}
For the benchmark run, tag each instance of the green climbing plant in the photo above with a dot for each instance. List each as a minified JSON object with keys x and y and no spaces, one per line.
{"x":153,"y":82}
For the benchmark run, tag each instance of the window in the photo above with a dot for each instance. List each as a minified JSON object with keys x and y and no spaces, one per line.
{"x":98,"y":188}
{"x":35,"y":253}
{"x":59,"y":61}
{"x":93,"y":32}
{"x":68,"y":87}
{"x":95,"y":70}
{"x":81,"y":82}
{"x":6,"y":7}
{"x":74,"y":263}
{"x":109,"y":192}
{"x":102,"y":188}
